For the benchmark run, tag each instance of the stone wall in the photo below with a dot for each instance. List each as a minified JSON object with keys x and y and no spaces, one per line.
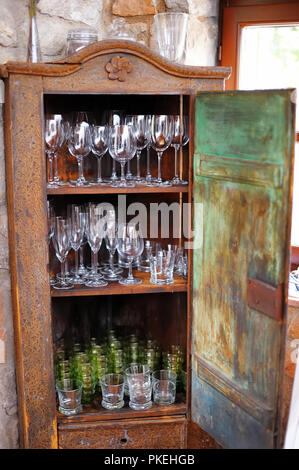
{"x":55,"y":18}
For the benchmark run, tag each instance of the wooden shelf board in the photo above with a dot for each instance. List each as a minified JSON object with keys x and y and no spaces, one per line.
{"x":114,"y":288}
{"x":71,"y":190}
{"x":96,"y":412}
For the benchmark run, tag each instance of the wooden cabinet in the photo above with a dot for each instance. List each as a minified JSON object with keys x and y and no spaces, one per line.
{"x":229,"y":315}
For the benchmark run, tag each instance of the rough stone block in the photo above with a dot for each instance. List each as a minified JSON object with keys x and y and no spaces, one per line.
{"x":8,"y":34}
{"x":201,"y":43}
{"x":133,"y":7}
{"x":202,"y":8}
{"x":86,"y":12}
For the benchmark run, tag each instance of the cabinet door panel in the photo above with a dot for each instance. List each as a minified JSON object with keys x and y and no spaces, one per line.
{"x":242,"y":180}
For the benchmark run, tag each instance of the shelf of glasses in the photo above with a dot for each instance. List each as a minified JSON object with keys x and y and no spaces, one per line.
{"x":65,"y":190}
{"x":114,"y":288}
{"x":96,"y":412}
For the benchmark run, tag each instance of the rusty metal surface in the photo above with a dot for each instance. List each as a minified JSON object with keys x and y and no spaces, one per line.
{"x":74,"y":62}
{"x":237,"y":347}
{"x":25,"y":169}
{"x":265,"y":298}
{"x":163,"y":433}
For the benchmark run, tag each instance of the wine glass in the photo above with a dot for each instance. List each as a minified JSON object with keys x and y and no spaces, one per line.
{"x":115,"y":117}
{"x":111,"y":272}
{"x":53,"y":140}
{"x":161,"y":136}
{"x":180,"y":138}
{"x":141,"y":132}
{"x":99,"y":147}
{"x":62,"y":246}
{"x":130,"y":244}
{"x":122,"y":148}
{"x":94,"y":233}
{"x":77,"y":227}
{"x":79,"y":145}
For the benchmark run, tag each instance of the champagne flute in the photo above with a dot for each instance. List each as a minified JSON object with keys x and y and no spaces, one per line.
{"x":62,"y":245}
{"x":79,"y":145}
{"x":179,"y":139}
{"x":77,"y":228}
{"x":161,"y":136}
{"x":99,"y":147}
{"x":130,"y":244}
{"x":115,"y":118}
{"x":94,"y":233}
{"x":122,"y":148}
{"x":53,"y":140}
{"x":111,"y":272}
{"x":141,"y":132}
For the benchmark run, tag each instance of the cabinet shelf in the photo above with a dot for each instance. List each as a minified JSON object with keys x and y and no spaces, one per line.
{"x":114,"y":288}
{"x":95,"y":412}
{"x":72,"y":190}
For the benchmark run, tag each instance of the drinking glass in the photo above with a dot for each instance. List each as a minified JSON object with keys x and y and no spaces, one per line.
{"x":122,"y":148}
{"x":149,"y":249}
{"x":141,"y":131}
{"x":99,"y":148}
{"x":62,"y":246}
{"x":111,"y":272}
{"x":161,"y":136}
{"x":94,"y":234}
{"x":115,"y":117}
{"x":69,"y":399}
{"x":53,"y":140}
{"x":181,"y":263}
{"x":180,"y":138}
{"x":162,"y":266}
{"x":140,"y":387}
{"x":77,"y":228}
{"x":112,"y":386}
{"x":130,"y":245}
{"x":164,"y":387}
{"x":171,"y":31}
{"x":79,"y":145}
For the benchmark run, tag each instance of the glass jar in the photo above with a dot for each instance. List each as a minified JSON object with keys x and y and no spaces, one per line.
{"x":79,"y":38}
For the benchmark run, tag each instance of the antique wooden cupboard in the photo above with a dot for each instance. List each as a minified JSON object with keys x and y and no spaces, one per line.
{"x":229,"y":316}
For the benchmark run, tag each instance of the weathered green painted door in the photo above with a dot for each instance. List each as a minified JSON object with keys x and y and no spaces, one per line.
{"x":242,"y":191}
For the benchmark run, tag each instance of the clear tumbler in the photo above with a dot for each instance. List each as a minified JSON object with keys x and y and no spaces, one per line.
{"x":171,"y":31}
{"x":140,"y":387}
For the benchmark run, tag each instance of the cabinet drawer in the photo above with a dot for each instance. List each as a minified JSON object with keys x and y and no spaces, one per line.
{"x":162,"y":433}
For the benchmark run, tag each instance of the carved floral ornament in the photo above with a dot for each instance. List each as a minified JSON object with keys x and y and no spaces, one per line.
{"x":118,"y":67}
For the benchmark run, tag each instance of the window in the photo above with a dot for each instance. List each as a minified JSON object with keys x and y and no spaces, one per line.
{"x":261,"y":43}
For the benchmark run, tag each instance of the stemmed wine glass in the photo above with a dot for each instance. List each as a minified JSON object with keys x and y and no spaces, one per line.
{"x":79,"y":145}
{"x":161,"y":136}
{"x":141,"y":131}
{"x":180,"y":138}
{"x":53,"y":140}
{"x":62,"y":246}
{"x":94,"y":233}
{"x":77,"y":227}
{"x":111,"y":272}
{"x":115,"y":117}
{"x":130,"y":245}
{"x":99,"y":147}
{"x":122,"y":148}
